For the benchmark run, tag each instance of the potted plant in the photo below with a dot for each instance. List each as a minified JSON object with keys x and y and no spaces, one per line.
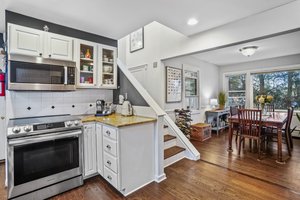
{"x":222,"y":100}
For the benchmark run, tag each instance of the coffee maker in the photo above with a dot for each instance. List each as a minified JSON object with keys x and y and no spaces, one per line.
{"x":100,"y":107}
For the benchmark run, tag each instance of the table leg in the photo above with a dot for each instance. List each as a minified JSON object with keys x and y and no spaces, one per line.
{"x":230,"y":138}
{"x":279,"y":146}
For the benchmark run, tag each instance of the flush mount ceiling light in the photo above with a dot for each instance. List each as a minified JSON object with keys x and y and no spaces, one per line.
{"x":248,"y":51}
{"x":192,"y":21}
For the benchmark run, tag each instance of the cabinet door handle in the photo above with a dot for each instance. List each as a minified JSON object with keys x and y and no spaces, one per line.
{"x":108,"y":162}
{"x":109,"y":177}
{"x":108,"y":146}
{"x":108,"y":132}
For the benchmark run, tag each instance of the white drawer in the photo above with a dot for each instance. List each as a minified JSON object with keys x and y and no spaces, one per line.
{"x":110,"y":132}
{"x":111,"y":177}
{"x":111,"y":162}
{"x":110,"y":146}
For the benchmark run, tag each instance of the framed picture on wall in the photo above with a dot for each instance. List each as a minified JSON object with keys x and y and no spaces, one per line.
{"x":173,"y":84}
{"x":137,"y":40}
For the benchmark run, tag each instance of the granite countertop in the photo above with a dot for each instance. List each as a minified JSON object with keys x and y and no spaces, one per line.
{"x":118,"y":120}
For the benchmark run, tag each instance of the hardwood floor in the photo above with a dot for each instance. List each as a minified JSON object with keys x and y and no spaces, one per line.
{"x":218,"y":175}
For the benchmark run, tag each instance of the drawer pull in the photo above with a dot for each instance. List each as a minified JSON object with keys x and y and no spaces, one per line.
{"x":109,"y":177}
{"x":108,"y":133}
{"x":108,"y":162}
{"x":108,"y":146}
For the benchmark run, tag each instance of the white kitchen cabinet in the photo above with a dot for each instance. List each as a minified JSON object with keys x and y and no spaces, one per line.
{"x":2,"y":128}
{"x":25,"y":41}
{"x":32,"y":42}
{"x":107,"y":59}
{"x":128,"y":156}
{"x":99,"y":149}
{"x":86,"y":63}
{"x":59,"y":47}
{"x":90,"y":154}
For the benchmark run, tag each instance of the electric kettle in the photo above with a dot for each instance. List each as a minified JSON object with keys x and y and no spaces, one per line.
{"x":126,"y":109}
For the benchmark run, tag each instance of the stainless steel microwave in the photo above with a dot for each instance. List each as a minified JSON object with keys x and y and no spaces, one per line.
{"x":34,"y":73}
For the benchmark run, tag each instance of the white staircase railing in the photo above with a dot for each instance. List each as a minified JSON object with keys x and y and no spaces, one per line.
{"x":192,"y":151}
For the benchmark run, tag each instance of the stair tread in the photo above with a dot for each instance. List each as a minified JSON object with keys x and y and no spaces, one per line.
{"x":168,"y":137}
{"x":172,"y":151}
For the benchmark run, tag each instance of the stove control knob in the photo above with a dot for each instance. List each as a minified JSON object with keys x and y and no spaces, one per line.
{"x":16,"y":129}
{"x":76,"y":122}
{"x":69,"y":123}
{"x":27,"y":128}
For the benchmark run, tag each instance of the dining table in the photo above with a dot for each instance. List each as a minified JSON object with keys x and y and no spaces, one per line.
{"x":272,"y":119}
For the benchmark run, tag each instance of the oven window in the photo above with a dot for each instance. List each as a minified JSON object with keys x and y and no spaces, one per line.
{"x":22,"y":72}
{"x":38,"y":160}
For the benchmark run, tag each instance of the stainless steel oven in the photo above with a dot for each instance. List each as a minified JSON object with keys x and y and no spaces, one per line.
{"x":44,"y":161}
{"x":30,"y":73}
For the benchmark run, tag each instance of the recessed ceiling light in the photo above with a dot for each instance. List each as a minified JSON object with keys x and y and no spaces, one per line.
{"x":192,"y":21}
{"x":248,"y":51}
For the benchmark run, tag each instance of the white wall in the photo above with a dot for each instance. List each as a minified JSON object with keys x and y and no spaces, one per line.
{"x":208,"y":83}
{"x":40,"y":103}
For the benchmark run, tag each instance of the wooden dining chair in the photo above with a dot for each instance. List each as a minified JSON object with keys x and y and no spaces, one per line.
{"x":250,"y":127}
{"x":271,"y":135}
{"x":235,"y":126}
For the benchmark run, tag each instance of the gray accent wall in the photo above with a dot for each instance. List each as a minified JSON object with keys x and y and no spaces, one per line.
{"x":124,"y":86}
{"x":1,"y":40}
{"x":23,"y":20}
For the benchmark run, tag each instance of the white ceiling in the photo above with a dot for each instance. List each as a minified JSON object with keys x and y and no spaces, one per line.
{"x":118,"y":18}
{"x":283,"y":45}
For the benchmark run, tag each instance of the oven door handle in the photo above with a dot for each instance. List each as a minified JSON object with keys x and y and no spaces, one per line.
{"x":48,"y":137}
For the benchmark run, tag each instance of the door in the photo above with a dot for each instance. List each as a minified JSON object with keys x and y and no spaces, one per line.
{"x":99,"y":149}
{"x":59,"y":47}
{"x":2,"y":129}
{"x":25,"y":41}
{"x":107,"y":67}
{"x":90,"y":156}
{"x":86,"y":63}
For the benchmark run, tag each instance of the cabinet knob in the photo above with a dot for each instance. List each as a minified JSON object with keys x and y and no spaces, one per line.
{"x":40,"y":54}
{"x":108,"y":146}
{"x":2,"y":117}
{"x":108,"y":132}
{"x":109,"y":177}
{"x":108,"y":162}
{"x":49,"y":55}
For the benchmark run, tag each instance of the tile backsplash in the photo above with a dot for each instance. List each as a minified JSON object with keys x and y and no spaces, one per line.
{"x":30,"y":104}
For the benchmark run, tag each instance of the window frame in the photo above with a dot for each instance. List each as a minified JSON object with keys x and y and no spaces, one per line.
{"x":249,"y":80}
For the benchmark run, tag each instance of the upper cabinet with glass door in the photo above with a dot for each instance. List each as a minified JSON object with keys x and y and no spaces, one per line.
{"x":86,"y":62}
{"x":107,"y":67}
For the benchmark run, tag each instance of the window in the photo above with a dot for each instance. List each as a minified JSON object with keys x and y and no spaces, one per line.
{"x":284,"y":86}
{"x":191,"y":90}
{"x":236,"y":90}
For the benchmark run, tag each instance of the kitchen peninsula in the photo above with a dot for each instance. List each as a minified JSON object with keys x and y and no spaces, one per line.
{"x":112,"y":148}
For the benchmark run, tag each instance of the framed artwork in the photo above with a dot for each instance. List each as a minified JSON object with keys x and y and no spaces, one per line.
{"x":137,"y":40}
{"x":173,"y":84}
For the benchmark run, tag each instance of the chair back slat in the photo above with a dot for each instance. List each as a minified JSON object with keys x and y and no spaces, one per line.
{"x":250,"y":122}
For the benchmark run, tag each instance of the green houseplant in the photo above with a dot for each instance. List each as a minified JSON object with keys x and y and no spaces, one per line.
{"x":221,"y":100}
